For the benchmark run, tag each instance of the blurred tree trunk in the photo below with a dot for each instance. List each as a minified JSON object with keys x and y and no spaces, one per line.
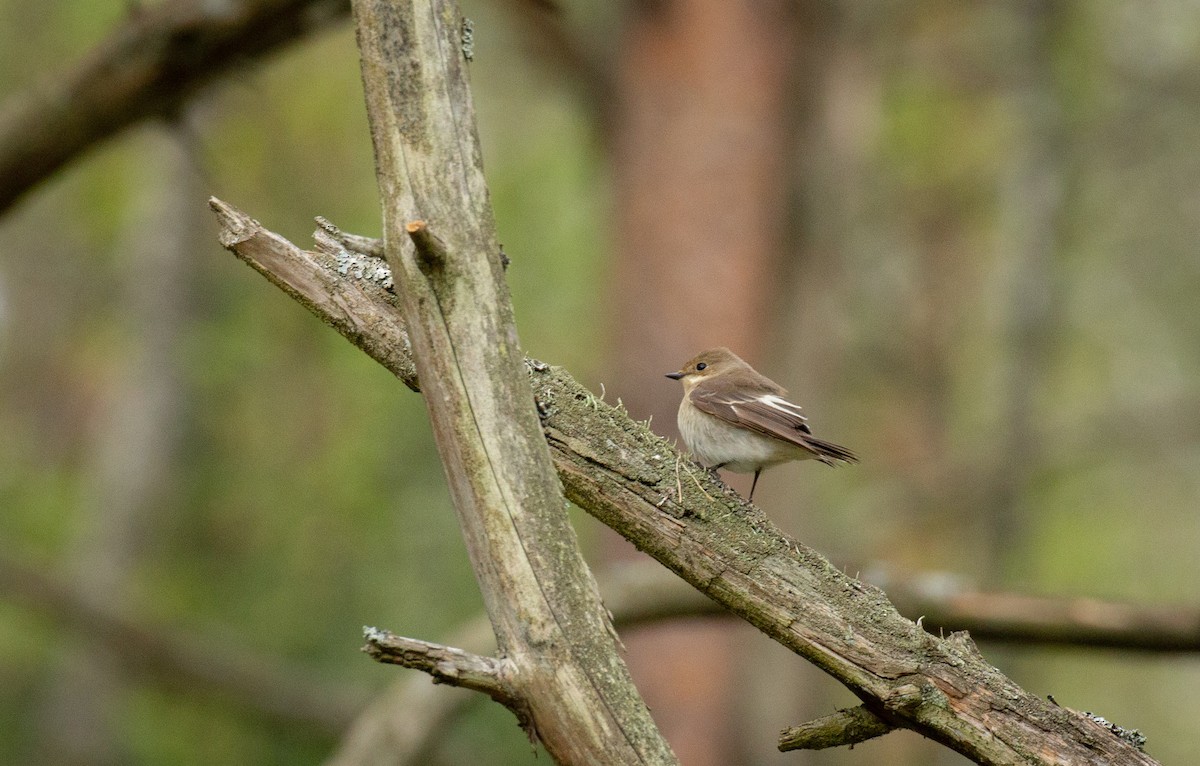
{"x":839,"y":176}
{"x":699,"y":136}
{"x":131,"y":464}
{"x":1033,"y":206}
{"x":848,"y":202}
{"x":835,"y":106}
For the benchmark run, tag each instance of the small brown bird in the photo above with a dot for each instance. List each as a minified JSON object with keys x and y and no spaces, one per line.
{"x":732,"y":417}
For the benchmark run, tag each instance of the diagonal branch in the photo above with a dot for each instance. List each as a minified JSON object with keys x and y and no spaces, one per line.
{"x":165,"y":53}
{"x":403,"y":721}
{"x":148,"y":67}
{"x":625,"y":476}
{"x":202,"y":665}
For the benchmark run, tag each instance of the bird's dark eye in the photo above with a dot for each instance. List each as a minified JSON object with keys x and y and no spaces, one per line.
{"x":701,"y":366}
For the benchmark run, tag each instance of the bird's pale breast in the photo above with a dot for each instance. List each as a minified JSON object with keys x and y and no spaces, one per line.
{"x":714,"y":442}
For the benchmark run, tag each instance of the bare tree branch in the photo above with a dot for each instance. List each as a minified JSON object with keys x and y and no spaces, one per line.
{"x":946,"y":602}
{"x":148,"y":67}
{"x":362,"y":309}
{"x":163,"y":54}
{"x":455,"y":667}
{"x":638,"y":484}
{"x":404,"y":722}
{"x":845,"y":727}
{"x":250,"y":680}
{"x":568,"y":685}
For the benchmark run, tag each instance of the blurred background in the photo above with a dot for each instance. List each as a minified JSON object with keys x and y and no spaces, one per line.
{"x":964,"y":235}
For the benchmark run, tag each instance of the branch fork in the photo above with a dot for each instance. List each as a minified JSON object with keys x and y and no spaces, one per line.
{"x":539,"y":595}
{"x":618,"y":471}
{"x":493,"y":676}
{"x":845,"y":727}
{"x":446,"y":664}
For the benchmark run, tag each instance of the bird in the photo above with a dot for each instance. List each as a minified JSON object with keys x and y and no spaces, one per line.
{"x":735,"y":418}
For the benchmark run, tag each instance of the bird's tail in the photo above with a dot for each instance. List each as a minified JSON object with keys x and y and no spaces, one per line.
{"x":828,"y":452}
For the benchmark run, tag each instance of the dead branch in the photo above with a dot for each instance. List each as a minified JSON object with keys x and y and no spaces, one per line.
{"x":845,"y":727}
{"x":148,"y":67}
{"x":568,"y":685}
{"x":643,"y":592}
{"x":448,"y":665}
{"x":622,"y":474}
{"x":200,"y":664}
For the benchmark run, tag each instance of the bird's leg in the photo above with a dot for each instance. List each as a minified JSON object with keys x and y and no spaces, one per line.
{"x":753,"y":484}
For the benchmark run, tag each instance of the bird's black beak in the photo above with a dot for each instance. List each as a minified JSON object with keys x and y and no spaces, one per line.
{"x":674,"y":375}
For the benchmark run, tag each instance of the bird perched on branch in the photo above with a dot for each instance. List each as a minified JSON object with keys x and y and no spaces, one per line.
{"x":732,"y":417}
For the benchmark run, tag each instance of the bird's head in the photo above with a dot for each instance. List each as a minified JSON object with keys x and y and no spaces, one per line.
{"x":705,"y":365}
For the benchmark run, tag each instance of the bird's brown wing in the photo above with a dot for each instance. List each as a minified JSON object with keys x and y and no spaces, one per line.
{"x":770,"y":415}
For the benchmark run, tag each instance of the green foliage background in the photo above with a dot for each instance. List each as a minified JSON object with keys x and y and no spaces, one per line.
{"x":306,"y":499}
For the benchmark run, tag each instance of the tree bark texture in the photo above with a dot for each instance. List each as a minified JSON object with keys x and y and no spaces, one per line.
{"x":440,"y":241}
{"x":637,"y":483}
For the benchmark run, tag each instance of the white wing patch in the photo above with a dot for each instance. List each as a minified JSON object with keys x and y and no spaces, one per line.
{"x":782,"y":404}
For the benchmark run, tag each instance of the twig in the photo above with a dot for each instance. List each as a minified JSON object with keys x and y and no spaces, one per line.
{"x":371,"y":246}
{"x":432,"y":252}
{"x":202,"y":664}
{"x":451,"y":666}
{"x":845,"y":727}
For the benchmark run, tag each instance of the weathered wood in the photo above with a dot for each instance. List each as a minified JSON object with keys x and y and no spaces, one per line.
{"x":637,"y":483}
{"x":845,"y":727}
{"x":441,"y":244}
{"x":680,"y":514}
